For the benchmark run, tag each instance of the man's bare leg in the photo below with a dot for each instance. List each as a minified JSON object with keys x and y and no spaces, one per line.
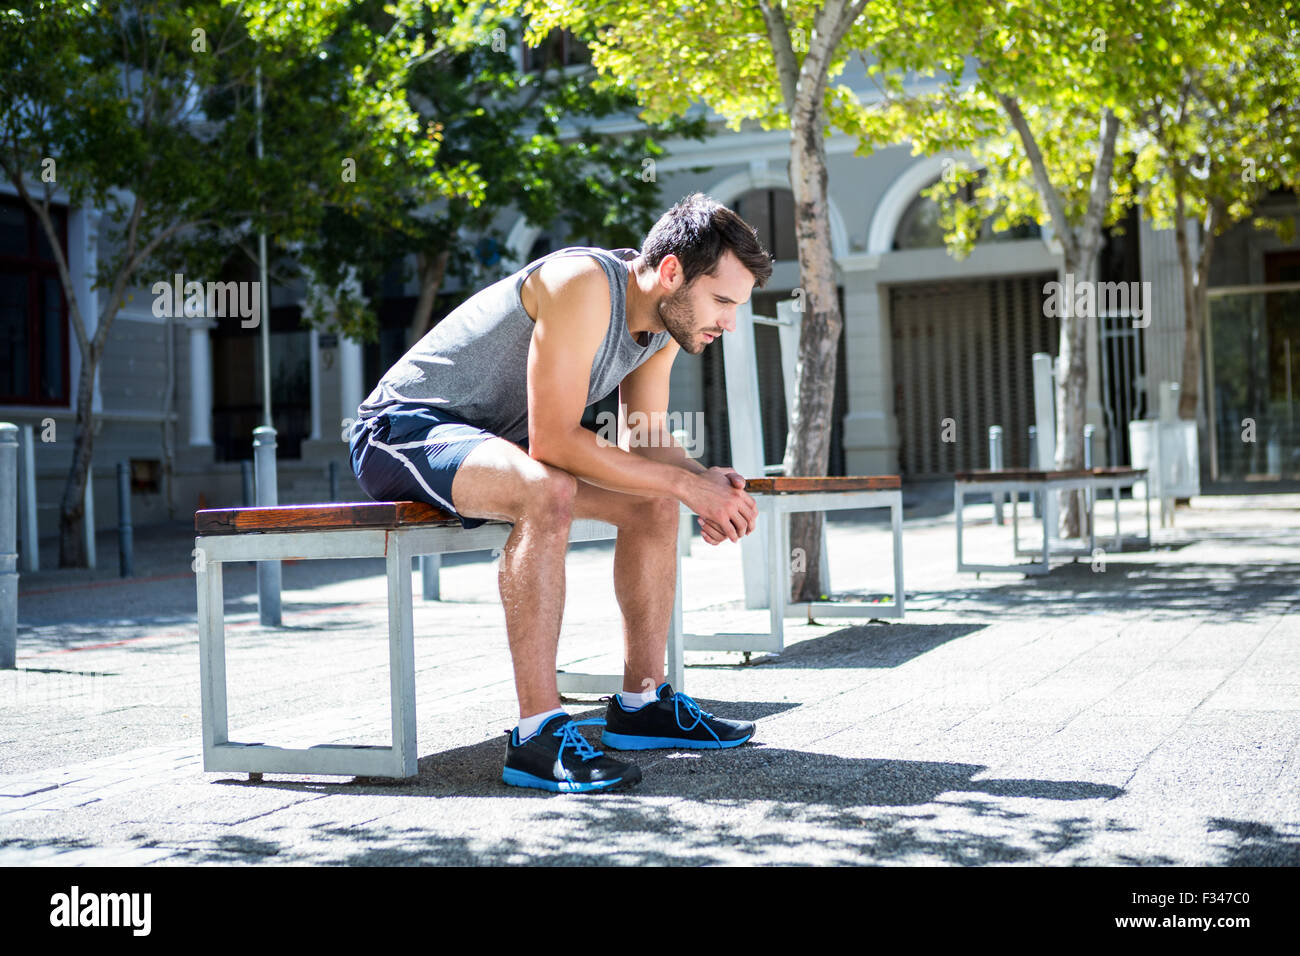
{"x":645,"y":575}
{"x":499,"y":480}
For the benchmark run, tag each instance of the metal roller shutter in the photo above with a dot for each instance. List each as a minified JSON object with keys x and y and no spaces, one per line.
{"x":962,"y":351}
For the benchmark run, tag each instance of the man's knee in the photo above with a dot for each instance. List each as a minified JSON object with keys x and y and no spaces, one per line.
{"x":549,"y":493}
{"x":654,"y":515}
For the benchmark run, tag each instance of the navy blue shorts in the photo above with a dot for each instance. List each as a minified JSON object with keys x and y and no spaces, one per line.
{"x":410,"y":452}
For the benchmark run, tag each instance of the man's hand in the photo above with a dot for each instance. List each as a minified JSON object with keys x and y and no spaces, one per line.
{"x":725,"y":511}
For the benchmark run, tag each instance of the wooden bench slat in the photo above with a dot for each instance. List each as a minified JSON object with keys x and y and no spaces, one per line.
{"x":399,"y":514}
{"x":1034,"y":474}
{"x":367,"y":514}
{"x":781,"y":484}
{"x":1020,"y":474}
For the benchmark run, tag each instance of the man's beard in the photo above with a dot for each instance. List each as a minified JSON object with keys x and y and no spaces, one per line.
{"x":679,"y":319}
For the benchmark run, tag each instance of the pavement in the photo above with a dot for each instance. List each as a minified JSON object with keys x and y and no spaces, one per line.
{"x":1139,"y":708}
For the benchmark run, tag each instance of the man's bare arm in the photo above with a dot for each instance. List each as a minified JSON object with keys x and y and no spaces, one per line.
{"x":573,"y":317}
{"x":643,"y":398}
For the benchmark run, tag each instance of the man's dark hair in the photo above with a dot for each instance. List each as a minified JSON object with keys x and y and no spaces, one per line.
{"x":698,"y":230}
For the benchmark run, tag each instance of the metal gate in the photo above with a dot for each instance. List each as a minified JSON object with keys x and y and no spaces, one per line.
{"x":962,"y":362}
{"x":1123,"y":383}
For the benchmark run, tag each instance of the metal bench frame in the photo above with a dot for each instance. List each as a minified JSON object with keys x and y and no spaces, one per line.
{"x":1113,"y":482}
{"x":1014,"y":486}
{"x":397,"y":546}
{"x":773,"y":512}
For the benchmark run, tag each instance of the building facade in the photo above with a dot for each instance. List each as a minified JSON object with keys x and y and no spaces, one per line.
{"x":929,"y":343}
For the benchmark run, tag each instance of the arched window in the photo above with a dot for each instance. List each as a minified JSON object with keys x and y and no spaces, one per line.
{"x":771,"y":213}
{"x":919,"y":227}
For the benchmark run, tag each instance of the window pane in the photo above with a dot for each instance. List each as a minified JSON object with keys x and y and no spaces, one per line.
{"x":919,"y":226}
{"x":784,"y":240}
{"x":53,"y":322}
{"x":43,"y":250}
{"x":754,"y":208}
{"x":13,"y":231}
{"x":14,"y":335}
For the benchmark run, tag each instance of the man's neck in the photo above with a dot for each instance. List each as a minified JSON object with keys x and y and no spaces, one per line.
{"x":642,"y":315}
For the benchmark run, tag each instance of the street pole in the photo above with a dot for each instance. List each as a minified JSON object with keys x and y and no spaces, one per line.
{"x":267,"y":486}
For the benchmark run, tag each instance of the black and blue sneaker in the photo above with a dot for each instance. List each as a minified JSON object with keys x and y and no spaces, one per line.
{"x":560,"y":759}
{"x":673,"y":721}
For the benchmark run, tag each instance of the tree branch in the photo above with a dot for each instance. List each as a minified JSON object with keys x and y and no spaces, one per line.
{"x":15,"y":176}
{"x":1051,"y":198}
{"x":787,"y":68}
{"x":1099,"y":188}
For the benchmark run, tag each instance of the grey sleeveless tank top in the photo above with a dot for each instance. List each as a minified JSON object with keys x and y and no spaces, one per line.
{"x":474,"y":363}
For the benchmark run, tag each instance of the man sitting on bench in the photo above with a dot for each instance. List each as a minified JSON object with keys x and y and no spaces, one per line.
{"x":482,"y":418}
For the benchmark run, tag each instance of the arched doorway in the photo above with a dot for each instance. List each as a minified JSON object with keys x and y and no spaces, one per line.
{"x":770,"y":210}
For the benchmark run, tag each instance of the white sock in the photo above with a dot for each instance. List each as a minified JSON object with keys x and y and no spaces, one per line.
{"x":635,"y":701}
{"x":530,"y":725}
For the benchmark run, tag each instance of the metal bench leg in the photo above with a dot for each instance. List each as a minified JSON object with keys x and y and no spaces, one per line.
{"x":1146,"y":496}
{"x":676,"y":663}
{"x":1091,"y":500}
{"x":401,"y":655}
{"x":1047,"y":542}
{"x":1119,"y":540}
{"x":778,"y":582}
{"x":957,"y":501}
{"x":1015,"y":523}
{"x":430,"y":584}
{"x":896,"y":518}
{"x":212,"y":655}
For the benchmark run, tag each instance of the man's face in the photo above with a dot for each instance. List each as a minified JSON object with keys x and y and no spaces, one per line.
{"x":696,"y":314}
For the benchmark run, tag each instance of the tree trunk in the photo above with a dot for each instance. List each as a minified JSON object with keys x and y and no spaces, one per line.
{"x":1080,"y":245}
{"x":1195,"y":301}
{"x":72,"y":512}
{"x":1071,"y":401}
{"x":807,"y":450}
{"x":431,"y":271}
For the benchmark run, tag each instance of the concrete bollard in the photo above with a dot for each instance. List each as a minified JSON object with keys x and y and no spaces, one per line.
{"x":88,"y":525}
{"x":268,"y":572}
{"x":1089,"y":435}
{"x":125,"y":534}
{"x":8,"y":545}
{"x":430,"y":577}
{"x":995,"y":464}
{"x":1033,"y":463}
{"x":31,"y":532}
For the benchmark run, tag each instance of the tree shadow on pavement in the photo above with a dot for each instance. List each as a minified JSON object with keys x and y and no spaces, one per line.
{"x":868,"y":645}
{"x":751,"y":804}
{"x":1162,"y":590}
{"x":1258,"y":844}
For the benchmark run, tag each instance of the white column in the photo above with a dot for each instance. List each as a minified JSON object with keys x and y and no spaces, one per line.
{"x":315,"y":385}
{"x":83,"y":263}
{"x":746,"y":430}
{"x":200,"y":381}
{"x":351,"y":377}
